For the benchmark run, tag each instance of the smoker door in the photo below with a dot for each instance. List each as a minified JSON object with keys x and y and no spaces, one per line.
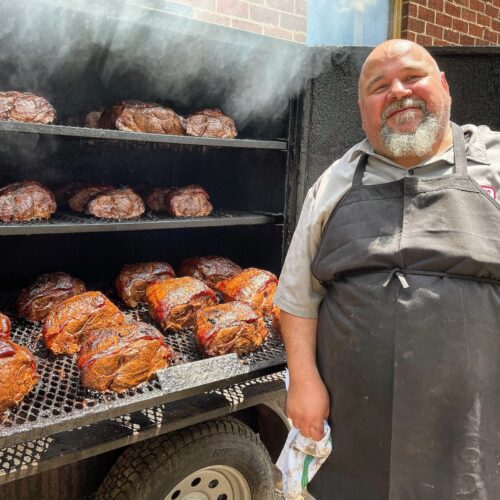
{"x":327,"y":116}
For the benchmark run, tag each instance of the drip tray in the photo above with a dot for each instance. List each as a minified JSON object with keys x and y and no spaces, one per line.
{"x":59,"y":402}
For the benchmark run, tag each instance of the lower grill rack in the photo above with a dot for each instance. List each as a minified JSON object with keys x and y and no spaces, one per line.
{"x":59,"y":402}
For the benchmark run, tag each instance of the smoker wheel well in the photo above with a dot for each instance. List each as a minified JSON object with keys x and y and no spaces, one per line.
{"x":270,"y":422}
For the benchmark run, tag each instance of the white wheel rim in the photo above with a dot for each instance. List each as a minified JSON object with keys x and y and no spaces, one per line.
{"x":217,"y":482}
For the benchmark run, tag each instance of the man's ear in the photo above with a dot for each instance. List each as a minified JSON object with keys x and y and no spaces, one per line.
{"x":360,"y":106}
{"x":444,"y":83}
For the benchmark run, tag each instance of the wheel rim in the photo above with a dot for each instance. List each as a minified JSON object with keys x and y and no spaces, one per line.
{"x":217,"y":482}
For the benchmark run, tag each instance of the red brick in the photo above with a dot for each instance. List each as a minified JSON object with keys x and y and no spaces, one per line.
{"x":491,"y":36}
{"x":476,"y":30}
{"x":299,"y":37}
{"x":495,"y":25}
{"x":461,"y":26}
{"x":210,"y":17}
{"x":293,"y":23}
{"x":419,"y":2}
{"x":443,"y":42}
{"x":424,"y":40}
{"x":246,"y":26}
{"x":451,"y":36}
{"x":452,"y":9}
{"x":236,"y":8}
{"x":477,"y":6}
{"x":264,"y":15}
{"x":492,"y":11}
{"x":444,"y":20}
{"x":415,"y":25}
{"x":469,"y":15}
{"x":483,"y":20}
{"x":464,"y":3}
{"x":410,"y":9}
{"x":466,"y":39}
{"x":426,"y":14}
{"x":278,"y":33}
{"x":433,"y":30}
{"x":282,"y":5}
{"x":496,"y":3}
{"x":300,"y":8}
{"x":409,"y":35}
{"x":436,"y":5}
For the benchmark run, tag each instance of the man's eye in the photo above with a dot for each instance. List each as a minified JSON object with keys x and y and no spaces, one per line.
{"x":413,"y":78}
{"x":380,"y":88}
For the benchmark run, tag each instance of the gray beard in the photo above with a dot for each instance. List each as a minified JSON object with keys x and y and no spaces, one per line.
{"x":418,"y":143}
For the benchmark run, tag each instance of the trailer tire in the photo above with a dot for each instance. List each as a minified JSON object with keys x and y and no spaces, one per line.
{"x":222,"y":452}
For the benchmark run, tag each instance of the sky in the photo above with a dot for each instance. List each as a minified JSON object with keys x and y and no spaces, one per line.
{"x":347,"y":22}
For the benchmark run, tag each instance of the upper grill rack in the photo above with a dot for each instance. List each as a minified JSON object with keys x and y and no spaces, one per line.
{"x":60,"y":402}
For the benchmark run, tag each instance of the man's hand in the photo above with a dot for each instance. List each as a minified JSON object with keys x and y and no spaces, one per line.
{"x":308,"y":405}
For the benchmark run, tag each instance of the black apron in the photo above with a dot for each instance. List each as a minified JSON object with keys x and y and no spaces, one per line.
{"x":409,"y":339}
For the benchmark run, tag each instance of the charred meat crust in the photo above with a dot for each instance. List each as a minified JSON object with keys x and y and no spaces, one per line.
{"x":133,"y":280}
{"x":173,"y":303}
{"x":123,"y":356}
{"x":35,"y":301}
{"x":25,"y":201}
{"x":227,"y":328}
{"x":26,"y":107}
{"x":18,"y":375}
{"x":71,"y":318}
{"x":210,"y":269}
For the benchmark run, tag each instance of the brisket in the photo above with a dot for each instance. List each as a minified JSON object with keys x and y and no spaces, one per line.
{"x":35,"y":301}
{"x":231,"y":327}
{"x":173,"y":303}
{"x":119,"y":357}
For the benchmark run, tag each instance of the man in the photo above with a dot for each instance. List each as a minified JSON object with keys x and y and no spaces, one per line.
{"x":390,"y":297}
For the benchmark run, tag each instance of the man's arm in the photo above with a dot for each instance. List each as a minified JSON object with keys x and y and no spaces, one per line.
{"x":308,"y":403}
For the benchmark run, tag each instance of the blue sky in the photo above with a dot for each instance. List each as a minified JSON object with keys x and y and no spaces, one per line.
{"x":347,"y":22}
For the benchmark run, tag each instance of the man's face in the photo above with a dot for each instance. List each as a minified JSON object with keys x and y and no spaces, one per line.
{"x":404,"y":101}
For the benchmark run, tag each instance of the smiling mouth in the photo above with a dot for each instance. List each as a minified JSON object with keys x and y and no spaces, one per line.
{"x":401,"y":110}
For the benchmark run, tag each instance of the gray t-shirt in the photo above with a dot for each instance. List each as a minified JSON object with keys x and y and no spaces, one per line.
{"x":298,"y":292}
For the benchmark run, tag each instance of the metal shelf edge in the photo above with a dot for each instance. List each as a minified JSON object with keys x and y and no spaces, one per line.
{"x":105,"y":134}
{"x":95,"y":226}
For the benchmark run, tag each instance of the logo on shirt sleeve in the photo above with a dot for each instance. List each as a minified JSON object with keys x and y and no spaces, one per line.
{"x":490,"y":191}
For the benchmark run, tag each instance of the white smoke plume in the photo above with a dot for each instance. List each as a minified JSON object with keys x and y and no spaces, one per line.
{"x":142,"y":53}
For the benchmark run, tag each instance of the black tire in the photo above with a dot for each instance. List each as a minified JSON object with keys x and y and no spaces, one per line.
{"x":151,"y":469}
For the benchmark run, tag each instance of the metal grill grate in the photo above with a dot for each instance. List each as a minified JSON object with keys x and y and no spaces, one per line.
{"x":68,"y":222}
{"x":25,"y":458}
{"x":59,"y":402}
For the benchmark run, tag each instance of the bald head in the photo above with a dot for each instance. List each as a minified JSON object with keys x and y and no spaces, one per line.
{"x":404,"y":102}
{"x":391,"y":49}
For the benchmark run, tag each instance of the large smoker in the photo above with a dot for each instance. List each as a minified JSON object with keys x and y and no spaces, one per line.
{"x":60,"y":421}
{"x":256,"y":183}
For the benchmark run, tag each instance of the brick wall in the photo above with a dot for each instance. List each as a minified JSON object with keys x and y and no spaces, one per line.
{"x":285,"y":19}
{"x":451,"y":22}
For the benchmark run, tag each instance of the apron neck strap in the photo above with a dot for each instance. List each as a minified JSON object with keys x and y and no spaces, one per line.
{"x":357,"y":180}
{"x":458,"y":149}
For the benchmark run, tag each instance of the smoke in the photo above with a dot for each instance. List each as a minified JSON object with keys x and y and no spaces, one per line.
{"x":82,"y":54}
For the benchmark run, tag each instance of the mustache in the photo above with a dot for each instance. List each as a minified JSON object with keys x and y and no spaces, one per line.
{"x":403,"y":103}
